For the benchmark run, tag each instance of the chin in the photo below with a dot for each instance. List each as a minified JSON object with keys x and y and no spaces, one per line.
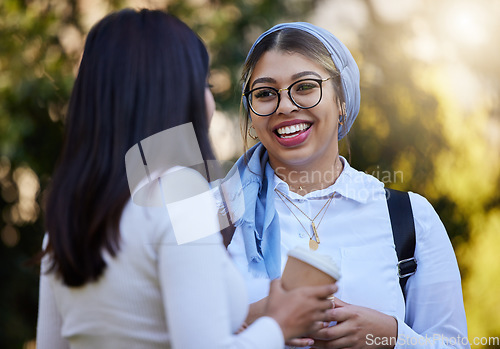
{"x":295,"y":158}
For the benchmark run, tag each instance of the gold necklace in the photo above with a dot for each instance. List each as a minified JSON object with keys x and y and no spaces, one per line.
{"x":313,"y":243}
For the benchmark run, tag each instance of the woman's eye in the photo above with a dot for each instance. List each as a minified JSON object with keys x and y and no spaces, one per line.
{"x":306,"y":86}
{"x":264,"y":94}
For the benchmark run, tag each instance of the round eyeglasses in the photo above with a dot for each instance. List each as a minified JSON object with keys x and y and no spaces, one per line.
{"x":304,"y":93}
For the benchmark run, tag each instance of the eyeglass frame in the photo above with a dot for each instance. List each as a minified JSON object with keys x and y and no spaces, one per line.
{"x":288,"y":89}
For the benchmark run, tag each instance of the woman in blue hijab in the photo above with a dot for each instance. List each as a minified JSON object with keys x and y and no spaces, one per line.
{"x":301,"y":96}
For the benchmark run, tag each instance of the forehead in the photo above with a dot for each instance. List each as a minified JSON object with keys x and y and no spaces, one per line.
{"x":282,"y":65}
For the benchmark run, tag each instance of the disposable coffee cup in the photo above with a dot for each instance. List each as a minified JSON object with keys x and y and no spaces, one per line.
{"x":308,"y":268}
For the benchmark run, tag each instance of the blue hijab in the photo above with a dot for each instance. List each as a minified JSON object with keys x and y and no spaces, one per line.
{"x":254,"y":195}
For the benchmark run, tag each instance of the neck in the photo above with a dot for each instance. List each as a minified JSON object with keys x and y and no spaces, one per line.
{"x":305,"y":179}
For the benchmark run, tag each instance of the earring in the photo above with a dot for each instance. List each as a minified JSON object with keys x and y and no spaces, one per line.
{"x":254,"y":137}
{"x":341,"y":119}
{"x":343,"y":115}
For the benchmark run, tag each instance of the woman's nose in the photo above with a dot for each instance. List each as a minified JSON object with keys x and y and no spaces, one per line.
{"x":285,"y":105}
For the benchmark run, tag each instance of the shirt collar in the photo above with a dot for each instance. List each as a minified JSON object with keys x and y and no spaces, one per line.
{"x":351,"y":184}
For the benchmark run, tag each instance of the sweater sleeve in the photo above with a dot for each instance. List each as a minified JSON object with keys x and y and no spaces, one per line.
{"x":199,"y":299}
{"x":435,"y":315}
{"x":48,"y":334}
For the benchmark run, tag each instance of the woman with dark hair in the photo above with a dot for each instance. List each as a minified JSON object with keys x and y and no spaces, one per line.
{"x":301,"y":95}
{"x":113,"y":274}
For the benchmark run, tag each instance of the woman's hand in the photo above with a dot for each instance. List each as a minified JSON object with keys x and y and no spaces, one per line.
{"x":299,"y":311}
{"x":355,"y":327}
{"x":256,"y":310}
{"x":300,"y":342}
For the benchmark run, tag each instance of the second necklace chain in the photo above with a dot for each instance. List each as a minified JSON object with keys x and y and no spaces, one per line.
{"x":313,"y":242}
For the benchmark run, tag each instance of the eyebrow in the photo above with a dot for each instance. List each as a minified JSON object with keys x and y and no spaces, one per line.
{"x":294,"y":77}
{"x":262,"y":80}
{"x":305,"y":73}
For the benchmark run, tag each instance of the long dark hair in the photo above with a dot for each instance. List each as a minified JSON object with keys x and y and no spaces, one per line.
{"x":142,"y":72}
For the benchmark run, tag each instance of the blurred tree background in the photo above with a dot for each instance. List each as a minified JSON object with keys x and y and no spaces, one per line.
{"x":429,"y":120}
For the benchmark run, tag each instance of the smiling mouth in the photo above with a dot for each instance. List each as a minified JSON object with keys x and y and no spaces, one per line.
{"x":292,"y":131}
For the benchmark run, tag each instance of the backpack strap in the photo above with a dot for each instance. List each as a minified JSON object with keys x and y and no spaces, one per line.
{"x":403,"y":231}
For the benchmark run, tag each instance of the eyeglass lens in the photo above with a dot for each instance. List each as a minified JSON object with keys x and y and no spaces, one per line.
{"x":304,"y":94}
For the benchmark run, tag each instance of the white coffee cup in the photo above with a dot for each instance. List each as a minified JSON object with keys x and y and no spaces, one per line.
{"x":305,"y":267}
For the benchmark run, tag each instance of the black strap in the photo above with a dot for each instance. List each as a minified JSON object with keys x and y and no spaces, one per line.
{"x":403,"y":231}
{"x":228,"y":231}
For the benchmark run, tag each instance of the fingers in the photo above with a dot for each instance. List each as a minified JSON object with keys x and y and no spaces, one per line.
{"x":300,"y":342}
{"x":303,"y":342}
{"x":326,"y":304}
{"x":326,"y":334}
{"x":275,"y":288}
{"x":330,"y":315}
{"x":339,"y":314}
{"x":329,"y":344}
{"x":242,"y":328}
{"x":341,"y":311}
{"x":320,"y":291}
{"x":318,"y":325}
{"x":340,"y":303}
{"x":275,"y":285}
{"x":341,"y":329}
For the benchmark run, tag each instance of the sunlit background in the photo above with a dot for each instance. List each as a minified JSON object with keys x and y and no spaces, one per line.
{"x":430,"y":76}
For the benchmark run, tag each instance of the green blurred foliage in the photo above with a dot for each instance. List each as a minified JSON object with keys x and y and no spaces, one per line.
{"x":410,"y":133}
{"x":412,"y":121}
{"x":35,"y":79}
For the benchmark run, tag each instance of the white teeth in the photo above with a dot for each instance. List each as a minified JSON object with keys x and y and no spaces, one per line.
{"x":292,"y":129}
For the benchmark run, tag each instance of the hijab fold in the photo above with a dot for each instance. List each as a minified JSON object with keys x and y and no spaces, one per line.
{"x":251,"y":199}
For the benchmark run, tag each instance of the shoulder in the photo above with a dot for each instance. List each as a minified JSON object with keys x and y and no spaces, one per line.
{"x":358,"y":185}
{"x":433,"y":250}
{"x":430,"y":231}
{"x":423,"y":212}
{"x":148,"y":224}
{"x":180,"y":191}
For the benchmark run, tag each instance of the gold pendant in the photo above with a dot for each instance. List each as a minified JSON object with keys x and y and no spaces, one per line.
{"x":313,"y":245}
{"x":315,"y":231}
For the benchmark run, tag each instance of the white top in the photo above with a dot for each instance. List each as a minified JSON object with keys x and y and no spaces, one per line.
{"x":154,"y":293}
{"x":356,"y":232}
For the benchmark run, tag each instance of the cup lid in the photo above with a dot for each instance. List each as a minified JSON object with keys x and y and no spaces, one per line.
{"x":320,"y":261}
